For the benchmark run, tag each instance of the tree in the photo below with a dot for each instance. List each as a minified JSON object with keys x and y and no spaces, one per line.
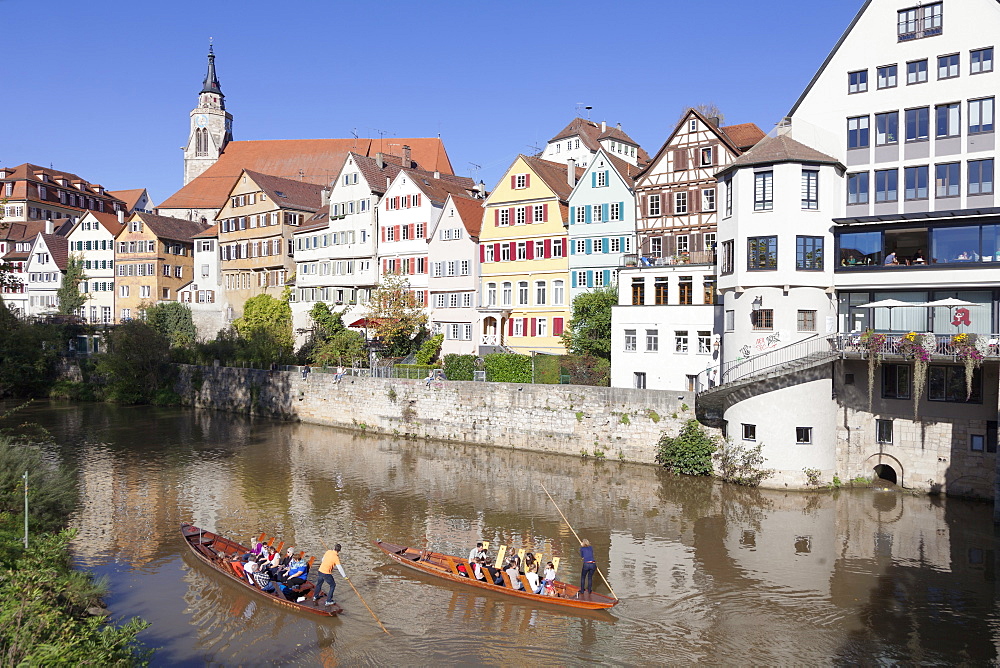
{"x":28,"y":354}
{"x":267,"y":326}
{"x":136,"y":364}
{"x":589,"y":330}
{"x":70,"y":298}
{"x":706,"y":109}
{"x":341,"y":348}
{"x":395,"y":315}
{"x":325,"y":322}
{"x":173,"y":321}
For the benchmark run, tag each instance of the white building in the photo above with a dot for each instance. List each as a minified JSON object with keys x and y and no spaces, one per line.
{"x":204,"y":294}
{"x":582,"y":139}
{"x":45,"y":268}
{"x":92,"y":239}
{"x":453,"y":253}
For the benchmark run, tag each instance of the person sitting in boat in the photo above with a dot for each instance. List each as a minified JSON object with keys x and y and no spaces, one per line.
{"x":494,"y":575}
{"x":272,"y":561}
{"x":258,"y":547}
{"x":478,"y":567}
{"x":250,"y":568}
{"x":514,"y":575}
{"x":476,"y":552}
{"x":530,"y":562}
{"x":548,"y":579}
{"x":287,"y":559}
{"x":263,"y":580}
{"x":516,"y":560}
{"x":533,"y":581}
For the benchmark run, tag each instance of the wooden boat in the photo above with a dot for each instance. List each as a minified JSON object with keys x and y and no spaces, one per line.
{"x":447,"y":567}
{"x":220,"y":552}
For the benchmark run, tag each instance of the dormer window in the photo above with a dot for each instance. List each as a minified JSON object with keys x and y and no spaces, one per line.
{"x":918,"y":22}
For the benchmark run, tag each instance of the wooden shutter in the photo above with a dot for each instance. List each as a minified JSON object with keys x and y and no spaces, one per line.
{"x":572,"y":215}
{"x":669,"y":246}
{"x":496,"y":252}
{"x":527,"y":180}
{"x":696,"y":242}
{"x":545,"y":213}
{"x":588,"y":212}
{"x":510,"y":216}
{"x":413,"y":230}
{"x":530,"y":249}
{"x":496,"y":217}
{"x":482,"y":253}
{"x":557,"y":326}
{"x":513,"y":250}
{"x":510,"y":326}
{"x":548,"y":248}
{"x":680,"y":159}
{"x":534,"y":325}
{"x":694,"y":201}
{"x":513,"y":184}
{"x":396,"y":235}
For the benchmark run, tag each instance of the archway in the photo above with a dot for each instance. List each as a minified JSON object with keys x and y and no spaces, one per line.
{"x":885,"y":472}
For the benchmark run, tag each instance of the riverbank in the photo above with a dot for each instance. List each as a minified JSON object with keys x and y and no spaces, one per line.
{"x":602,"y":422}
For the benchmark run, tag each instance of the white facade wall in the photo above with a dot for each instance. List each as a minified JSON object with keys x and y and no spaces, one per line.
{"x":353,"y":233}
{"x":597,"y":246}
{"x":406,"y":217}
{"x":44,"y":279}
{"x":566,"y":149}
{"x":204,"y":295}
{"x":94,"y":244}
{"x":453,"y":282}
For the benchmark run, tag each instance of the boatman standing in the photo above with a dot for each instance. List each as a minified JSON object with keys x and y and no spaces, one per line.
{"x":589,"y":566}
{"x":330,"y":559}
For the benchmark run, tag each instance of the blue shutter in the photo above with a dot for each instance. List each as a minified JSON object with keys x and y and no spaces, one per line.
{"x":590,"y":246}
{"x":589,"y":212}
{"x":604,"y":212}
{"x":621,"y":210}
{"x":573,"y":279}
{"x":607,"y":277}
{"x":605,"y":246}
{"x":593,"y":179}
{"x":590,"y":279}
{"x":621,"y":244}
{"x":607,"y":181}
{"x":572,"y":247}
{"x":572,"y":215}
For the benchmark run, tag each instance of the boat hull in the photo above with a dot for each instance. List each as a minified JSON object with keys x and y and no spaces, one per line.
{"x":443,"y":566}
{"x":206,"y":546}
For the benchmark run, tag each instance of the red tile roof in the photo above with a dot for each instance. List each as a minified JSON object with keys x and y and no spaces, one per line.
{"x":288,"y":193}
{"x":58,"y":248}
{"x":165,"y":227}
{"x":108,"y":221}
{"x":471,"y":212}
{"x":744,"y":135}
{"x":554,"y":174}
{"x":438,"y":189}
{"x":210,"y":233}
{"x":21,"y":231}
{"x":315,"y":161}
{"x":590,"y":134}
{"x":130,"y":197}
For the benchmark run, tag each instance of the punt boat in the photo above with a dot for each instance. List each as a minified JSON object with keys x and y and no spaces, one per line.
{"x":220,"y":552}
{"x":447,"y":567}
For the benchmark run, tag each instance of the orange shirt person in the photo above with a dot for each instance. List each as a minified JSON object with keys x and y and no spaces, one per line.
{"x":331,"y":559}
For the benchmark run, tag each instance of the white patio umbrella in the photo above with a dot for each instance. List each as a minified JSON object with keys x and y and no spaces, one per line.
{"x":889,"y":304}
{"x":949,"y":303}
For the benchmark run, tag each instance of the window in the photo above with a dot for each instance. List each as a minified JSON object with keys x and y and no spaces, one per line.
{"x":729,"y":196}
{"x":491,"y":294}
{"x":977,"y":442}
{"x":857,"y":82}
{"x":948,"y":66}
{"x":639,"y":380}
{"x":518,"y":326}
{"x":557,"y":248}
{"x":728,"y":259}
{"x":810,"y":189}
{"x":708,"y":289}
{"x":763,"y":191}
{"x":806,"y":321}
{"x":857,"y":132}
{"x":542,"y":327}
{"x":614,"y":245}
{"x":706,"y":157}
{"x":681,"y":341}
{"x":883,"y":431}
{"x":656,"y":247}
{"x":886,"y":76}
{"x":730,"y":323}
{"x":946,"y":180}
{"x":981,"y":60}
{"x":522,"y":293}
{"x":762,"y":319}
{"x":886,"y":183}
{"x":948,"y":122}
{"x":581,"y":279}
{"x":680,"y":203}
{"x":505,"y":252}
{"x":947,"y":383}
{"x":896,"y":381}
{"x":916,"y":72}
{"x":598,"y":213}
{"x":886,"y":128}
{"x":630,"y":340}
{"x":581,"y":215}
{"x":981,"y":115}
{"x":749,"y":432}
{"x":522,"y":254}
{"x":558,"y":295}
{"x":581,"y":246}
{"x":653,"y":205}
{"x":917,"y":124}
{"x":601,"y":179}
{"x":804,"y":435}
{"x":809,"y":253}
{"x":123,"y":291}
{"x":660,"y":290}
{"x":540,"y":293}
{"x":683,"y":243}
{"x":704,"y":342}
{"x":708,"y":199}
{"x":685,"y":291}
{"x":520,"y":181}
{"x":857,"y":188}
{"x":915,"y":182}
{"x":615,"y":211}
{"x":520,"y":217}
{"x":652,"y":340}
{"x":980,"y":177}
{"x":762,"y":253}
{"x":638,"y":291}
{"x":508,"y":293}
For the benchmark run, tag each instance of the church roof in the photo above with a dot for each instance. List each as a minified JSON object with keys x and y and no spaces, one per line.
{"x":211,"y":84}
{"x":130,"y":197}
{"x":311,"y":160}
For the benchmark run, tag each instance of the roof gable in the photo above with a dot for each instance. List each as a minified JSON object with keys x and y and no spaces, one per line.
{"x":165,"y":227}
{"x":625,"y":172}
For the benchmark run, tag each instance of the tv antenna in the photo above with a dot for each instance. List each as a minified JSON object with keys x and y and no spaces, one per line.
{"x":533,"y":147}
{"x":381,"y":135}
{"x":587,"y":107}
{"x":354,"y":132}
{"x":475,"y":169}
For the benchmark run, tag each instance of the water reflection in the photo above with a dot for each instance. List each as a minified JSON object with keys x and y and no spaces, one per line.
{"x":707,"y":572}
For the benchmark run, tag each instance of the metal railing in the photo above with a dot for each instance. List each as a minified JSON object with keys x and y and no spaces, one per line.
{"x":942,"y":345}
{"x":645,"y":261}
{"x":814,"y":347}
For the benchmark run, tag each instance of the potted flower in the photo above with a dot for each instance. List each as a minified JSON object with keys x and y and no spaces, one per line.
{"x":914,"y":345}
{"x":872,"y":345}
{"x":967,"y":351}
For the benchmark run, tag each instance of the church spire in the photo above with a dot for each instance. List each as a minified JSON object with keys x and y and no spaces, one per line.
{"x":211,"y":84}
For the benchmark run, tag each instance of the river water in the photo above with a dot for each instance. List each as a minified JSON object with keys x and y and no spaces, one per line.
{"x":706,"y":572}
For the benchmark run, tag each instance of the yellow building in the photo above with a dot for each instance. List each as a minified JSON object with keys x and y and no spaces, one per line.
{"x":524,"y":270}
{"x":154,"y":258}
{"x":255,"y":234}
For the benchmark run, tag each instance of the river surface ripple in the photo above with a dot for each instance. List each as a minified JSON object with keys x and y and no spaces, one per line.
{"x":706,"y":572}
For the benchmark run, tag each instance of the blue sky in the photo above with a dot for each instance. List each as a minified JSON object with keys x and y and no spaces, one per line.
{"x":103,"y":89}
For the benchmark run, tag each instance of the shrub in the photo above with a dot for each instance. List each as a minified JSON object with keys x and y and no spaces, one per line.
{"x":587,"y":370}
{"x":508,"y":368}
{"x":459,"y":367}
{"x":429,"y":350}
{"x":741,"y":464}
{"x":690,"y":452}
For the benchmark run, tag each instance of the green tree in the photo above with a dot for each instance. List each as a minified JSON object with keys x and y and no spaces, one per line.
{"x":28,"y":355}
{"x":70,"y":298}
{"x":430,"y":349}
{"x":589,"y":330}
{"x":267,"y":326}
{"x":173,"y":321}
{"x":344,"y":347}
{"x":325,"y":322}
{"x":395,"y":315}
{"x":136,"y":364}
{"x":690,"y":452}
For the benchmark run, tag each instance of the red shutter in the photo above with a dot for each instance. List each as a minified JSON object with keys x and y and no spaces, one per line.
{"x":496,"y":252}
{"x":397,"y":236}
{"x":545,"y":213}
{"x":411,"y":265}
{"x":496,"y":217}
{"x":534,"y":323}
{"x":510,"y":216}
{"x":548,"y":248}
{"x":482,"y":253}
{"x":531,"y":250}
{"x":416,"y":202}
{"x":527,"y":180}
{"x":529,"y":216}
{"x":557,"y":326}
{"x":510,"y":326}
{"x":413,"y":230}
{"x":513,"y":250}
{"x":383,"y":234}
{"x":513,"y":181}
{"x":524,"y":326}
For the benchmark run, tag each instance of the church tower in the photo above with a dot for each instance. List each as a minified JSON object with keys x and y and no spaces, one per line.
{"x":211,"y":126}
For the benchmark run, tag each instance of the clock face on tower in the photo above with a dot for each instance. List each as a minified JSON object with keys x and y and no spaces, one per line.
{"x":201,"y":120}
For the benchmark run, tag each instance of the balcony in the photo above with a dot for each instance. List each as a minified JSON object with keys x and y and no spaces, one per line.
{"x":645,"y":261}
{"x":939,"y":346}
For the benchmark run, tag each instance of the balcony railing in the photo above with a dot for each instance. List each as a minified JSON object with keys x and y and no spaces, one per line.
{"x":941,"y":345}
{"x":646,"y":261}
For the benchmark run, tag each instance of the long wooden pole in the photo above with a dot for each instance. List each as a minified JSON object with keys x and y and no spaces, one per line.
{"x":607,"y":584}
{"x":377,"y":620}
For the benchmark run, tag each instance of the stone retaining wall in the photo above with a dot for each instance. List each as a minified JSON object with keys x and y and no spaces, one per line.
{"x":623,"y":424}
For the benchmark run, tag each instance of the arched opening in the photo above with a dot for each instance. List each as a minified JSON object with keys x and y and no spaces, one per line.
{"x":885,"y":472}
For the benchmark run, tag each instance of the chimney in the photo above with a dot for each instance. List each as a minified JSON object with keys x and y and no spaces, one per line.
{"x":619,"y":126}
{"x":406,"y":156}
{"x":380,"y":160}
{"x":48,"y":227}
{"x":121,"y":216}
{"x":437,"y":174}
{"x":604,"y":127}
{"x":325,"y":197}
{"x":571,"y":172}
{"x":714,"y":120}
